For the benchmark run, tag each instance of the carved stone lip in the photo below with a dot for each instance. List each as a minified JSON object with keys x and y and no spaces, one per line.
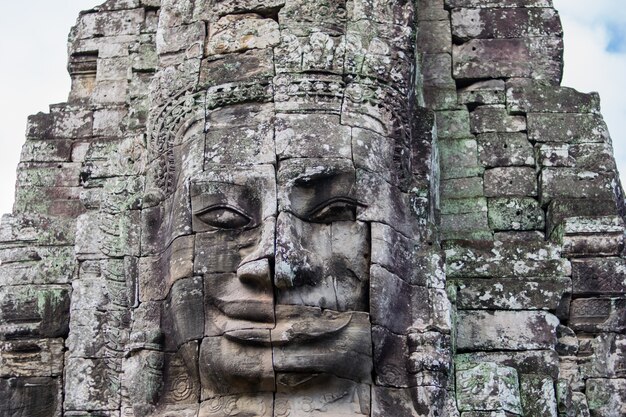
{"x":259,"y":337}
{"x":299,"y":325}
{"x":254,"y":311}
{"x":309,"y":329}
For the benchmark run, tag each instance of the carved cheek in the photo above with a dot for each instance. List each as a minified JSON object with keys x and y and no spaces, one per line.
{"x":322,"y":265}
{"x":350,"y":265}
{"x":223,"y":250}
{"x":228,"y":367}
{"x":237,"y":295}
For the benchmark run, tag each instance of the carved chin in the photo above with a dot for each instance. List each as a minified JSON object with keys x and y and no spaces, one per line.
{"x":228,"y":367}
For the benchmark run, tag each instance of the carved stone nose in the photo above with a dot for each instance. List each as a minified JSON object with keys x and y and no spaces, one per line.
{"x":256,"y":273}
{"x":296,"y":265}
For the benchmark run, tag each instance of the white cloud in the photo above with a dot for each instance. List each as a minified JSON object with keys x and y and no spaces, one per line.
{"x":33,"y":45}
{"x":590,"y":67}
{"x":592,"y":12}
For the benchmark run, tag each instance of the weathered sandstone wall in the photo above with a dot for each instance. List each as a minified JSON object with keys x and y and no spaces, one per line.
{"x":518,"y":267}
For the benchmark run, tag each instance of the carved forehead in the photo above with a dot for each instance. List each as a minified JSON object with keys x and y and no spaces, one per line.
{"x":312,"y":136}
{"x":240,"y":135}
{"x":297,"y":80}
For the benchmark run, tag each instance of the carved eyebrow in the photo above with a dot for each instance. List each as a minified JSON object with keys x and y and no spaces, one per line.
{"x":221,"y":193}
{"x":344,"y":179}
{"x":308,"y":179}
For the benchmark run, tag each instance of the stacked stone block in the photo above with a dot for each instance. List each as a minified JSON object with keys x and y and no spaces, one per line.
{"x":531,"y":218}
{"x":67,"y":245}
{"x":529,"y":208}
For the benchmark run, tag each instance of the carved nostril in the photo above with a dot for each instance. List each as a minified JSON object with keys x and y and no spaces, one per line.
{"x":255,"y":273}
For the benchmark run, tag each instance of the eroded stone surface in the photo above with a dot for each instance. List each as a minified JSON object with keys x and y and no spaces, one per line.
{"x":487,"y":386}
{"x":512,"y":294}
{"x":506,"y":330}
{"x":242,"y":207}
{"x":538,"y":396}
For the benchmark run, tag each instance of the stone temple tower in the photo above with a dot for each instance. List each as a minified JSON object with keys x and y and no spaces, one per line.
{"x":271,"y":208}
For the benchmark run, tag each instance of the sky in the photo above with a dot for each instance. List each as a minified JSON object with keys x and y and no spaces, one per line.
{"x":33,"y":74}
{"x":33,"y":43}
{"x":595,"y":60}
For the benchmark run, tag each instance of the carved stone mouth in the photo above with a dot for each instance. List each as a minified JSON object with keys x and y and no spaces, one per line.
{"x":300,"y":325}
{"x":310,"y":341}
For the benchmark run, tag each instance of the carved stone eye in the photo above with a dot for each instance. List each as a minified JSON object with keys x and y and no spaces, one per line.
{"x":224,"y":217}
{"x":334,"y":210}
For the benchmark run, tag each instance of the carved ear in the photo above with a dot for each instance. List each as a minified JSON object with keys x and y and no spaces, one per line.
{"x":193,"y":124}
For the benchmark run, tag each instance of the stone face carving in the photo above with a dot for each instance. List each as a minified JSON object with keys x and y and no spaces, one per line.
{"x":275,"y":175}
{"x":315,"y":208}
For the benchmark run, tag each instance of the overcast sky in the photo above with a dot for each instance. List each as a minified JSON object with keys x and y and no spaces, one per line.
{"x":33,"y":72}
